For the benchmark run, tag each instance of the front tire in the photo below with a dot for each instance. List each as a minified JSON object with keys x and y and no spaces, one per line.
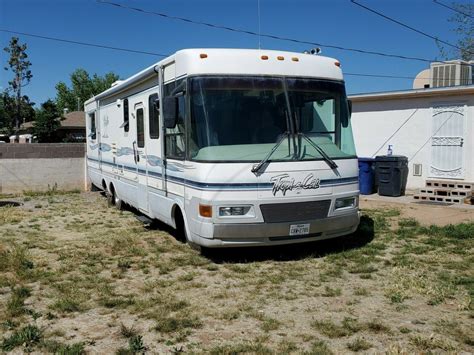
{"x":181,"y":233}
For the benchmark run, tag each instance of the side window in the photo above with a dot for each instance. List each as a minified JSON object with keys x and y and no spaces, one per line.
{"x":154,"y":116}
{"x":126,"y":122}
{"x":93,"y":130}
{"x":175,"y":137}
{"x":140,"y":129}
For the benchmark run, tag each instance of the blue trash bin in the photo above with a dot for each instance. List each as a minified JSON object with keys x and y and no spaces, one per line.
{"x":366,"y":175}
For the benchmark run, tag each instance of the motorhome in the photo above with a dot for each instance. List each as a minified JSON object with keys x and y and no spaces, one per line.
{"x":234,"y":147}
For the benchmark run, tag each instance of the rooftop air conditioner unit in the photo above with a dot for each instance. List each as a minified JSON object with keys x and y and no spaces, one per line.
{"x":451,"y":73}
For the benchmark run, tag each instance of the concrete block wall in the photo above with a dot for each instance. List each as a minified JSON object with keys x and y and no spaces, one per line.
{"x":37,"y":167}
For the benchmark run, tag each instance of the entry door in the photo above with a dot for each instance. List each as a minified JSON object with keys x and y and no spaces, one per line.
{"x":447,"y":142}
{"x":141,"y":161}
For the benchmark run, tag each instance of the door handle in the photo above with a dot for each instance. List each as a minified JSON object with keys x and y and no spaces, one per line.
{"x":135,"y":155}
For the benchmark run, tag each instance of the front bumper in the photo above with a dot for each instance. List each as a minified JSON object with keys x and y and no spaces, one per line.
{"x":261,"y":234}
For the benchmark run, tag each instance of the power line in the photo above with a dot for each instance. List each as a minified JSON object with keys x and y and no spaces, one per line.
{"x":83,"y":43}
{"x":166,"y":55}
{"x":382,"y":76}
{"x":452,"y":8}
{"x":252,"y":33}
{"x":407,"y":26}
{"x":396,"y":131}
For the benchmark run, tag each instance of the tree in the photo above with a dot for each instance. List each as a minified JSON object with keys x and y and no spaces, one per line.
{"x":47,"y":122}
{"x":464,"y":28}
{"x":8,"y":112}
{"x":83,"y":88}
{"x":19,"y":64}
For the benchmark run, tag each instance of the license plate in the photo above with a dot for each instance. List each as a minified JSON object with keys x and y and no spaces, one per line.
{"x":299,"y":229}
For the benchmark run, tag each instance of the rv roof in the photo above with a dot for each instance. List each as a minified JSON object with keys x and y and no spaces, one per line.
{"x":237,"y":62}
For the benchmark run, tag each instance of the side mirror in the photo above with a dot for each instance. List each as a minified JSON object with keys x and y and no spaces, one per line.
{"x":345,"y":119}
{"x":170,"y":111}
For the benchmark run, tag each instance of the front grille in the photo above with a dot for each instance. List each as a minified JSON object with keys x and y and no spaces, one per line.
{"x":295,"y":211}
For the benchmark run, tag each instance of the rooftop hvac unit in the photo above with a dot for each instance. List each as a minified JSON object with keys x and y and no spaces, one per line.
{"x":451,"y":73}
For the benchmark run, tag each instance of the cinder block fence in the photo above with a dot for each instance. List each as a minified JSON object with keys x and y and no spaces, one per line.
{"x":37,"y":167}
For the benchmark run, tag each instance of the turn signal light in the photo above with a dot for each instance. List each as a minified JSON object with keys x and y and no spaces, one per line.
{"x":205,"y":211}
{"x":295,"y":59}
{"x":337,"y":64}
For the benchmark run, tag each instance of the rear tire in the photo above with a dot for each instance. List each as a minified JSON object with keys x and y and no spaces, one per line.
{"x":110,"y":199}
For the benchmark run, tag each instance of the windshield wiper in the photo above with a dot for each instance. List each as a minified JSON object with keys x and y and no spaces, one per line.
{"x":256,"y":168}
{"x":332,"y":164}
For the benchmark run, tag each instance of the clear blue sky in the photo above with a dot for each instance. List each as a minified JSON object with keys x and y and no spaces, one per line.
{"x":337,"y":22}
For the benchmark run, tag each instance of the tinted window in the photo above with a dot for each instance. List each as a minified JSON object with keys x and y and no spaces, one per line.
{"x":126,"y":125}
{"x":175,"y":138}
{"x":140,"y":129}
{"x":154,"y":116}
{"x":93,"y":134}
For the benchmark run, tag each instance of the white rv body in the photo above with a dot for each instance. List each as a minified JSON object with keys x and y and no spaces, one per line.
{"x":211,"y":184}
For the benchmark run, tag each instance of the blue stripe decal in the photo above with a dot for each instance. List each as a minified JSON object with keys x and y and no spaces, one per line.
{"x":226,"y":186}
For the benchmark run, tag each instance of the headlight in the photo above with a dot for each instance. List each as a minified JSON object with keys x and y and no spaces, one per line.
{"x":233,"y":211}
{"x":346,"y":202}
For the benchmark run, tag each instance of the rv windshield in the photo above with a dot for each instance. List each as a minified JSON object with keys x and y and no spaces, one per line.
{"x":241,"y":119}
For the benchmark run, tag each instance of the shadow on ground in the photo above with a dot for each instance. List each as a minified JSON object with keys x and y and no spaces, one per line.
{"x":362,"y":236}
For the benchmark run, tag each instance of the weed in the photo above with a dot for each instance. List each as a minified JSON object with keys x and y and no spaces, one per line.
{"x":15,"y":305}
{"x":124,"y":264}
{"x":58,"y":348}
{"x":26,"y":336}
{"x":376,"y":326}
{"x":135,"y":344}
{"x":286,"y":347}
{"x":359,"y":344}
{"x":172,"y":324}
{"x":257,"y":347}
{"x":431,"y":343}
{"x":408,"y":223}
{"x":319,"y":347}
{"x":361,"y":291}
{"x":269,"y":324}
{"x":348,"y":327}
{"x":331,"y":292}
{"x":230,"y":315}
{"x":454,"y":329}
{"x":127,"y":332}
{"x":67,"y":304}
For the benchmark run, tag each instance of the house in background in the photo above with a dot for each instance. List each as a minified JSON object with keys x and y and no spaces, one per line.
{"x":432,"y":124}
{"x":73,"y":127}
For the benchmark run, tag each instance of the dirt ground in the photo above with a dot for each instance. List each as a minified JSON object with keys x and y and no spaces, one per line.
{"x":425,"y":214}
{"x":79,"y":277}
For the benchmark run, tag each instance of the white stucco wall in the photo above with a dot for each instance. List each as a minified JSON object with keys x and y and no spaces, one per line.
{"x":374,"y":120}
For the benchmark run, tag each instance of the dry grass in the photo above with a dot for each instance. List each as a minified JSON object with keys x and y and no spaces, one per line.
{"x":78,"y":277}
